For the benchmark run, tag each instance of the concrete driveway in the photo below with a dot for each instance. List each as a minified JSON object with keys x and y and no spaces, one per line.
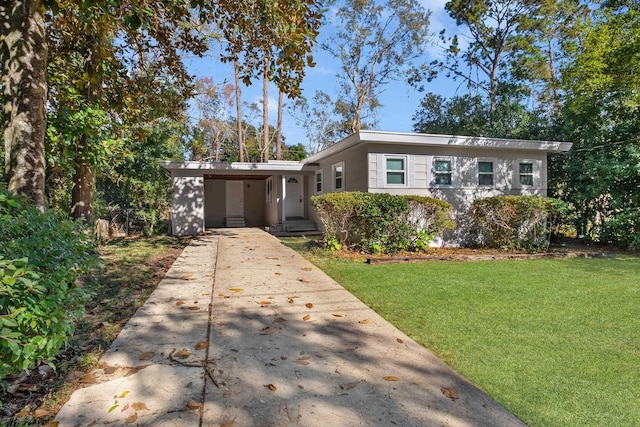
{"x":242,"y":331}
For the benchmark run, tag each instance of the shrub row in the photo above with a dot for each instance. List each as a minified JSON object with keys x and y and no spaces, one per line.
{"x":41,"y":257}
{"x":380,"y":222}
{"x":516,"y":222}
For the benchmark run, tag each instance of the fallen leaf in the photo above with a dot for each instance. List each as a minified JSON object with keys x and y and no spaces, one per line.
{"x":193,"y":404}
{"x":195,"y":302}
{"x":194,"y":308}
{"x":88,"y":378}
{"x":399,"y":340}
{"x":309,"y":305}
{"x":337,"y":315}
{"x":184,"y":353}
{"x":41,"y":413}
{"x":123,"y":394}
{"x":264,"y":302}
{"x":221,"y":294}
{"x":307,"y":317}
{"x":269,"y":331}
{"x":231,"y":423}
{"x":131,"y":418}
{"x":280,"y":319}
{"x":139,"y":406}
{"x":52,"y":424}
{"x":187,"y":276}
{"x":390,"y":378}
{"x":146,"y":355}
{"x":450,"y":393}
{"x":300,"y":386}
{"x":303,"y":361}
{"x":132,"y":371}
{"x":307,"y":268}
{"x":278,"y":273}
{"x":236,"y":289}
{"x":271,"y":387}
{"x":112,"y":408}
{"x":349,"y":386}
{"x":202,"y":345}
{"x":303,"y":280}
{"x":179,"y":303}
{"x":364,"y":321}
{"x":124,"y":408}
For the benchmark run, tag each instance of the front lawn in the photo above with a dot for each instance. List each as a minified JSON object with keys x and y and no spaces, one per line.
{"x":557,"y":342}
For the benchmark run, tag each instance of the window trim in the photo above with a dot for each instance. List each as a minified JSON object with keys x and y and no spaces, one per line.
{"x":269,"y":192}
{"x":320,"y":182}
{"x":334,"y":169}
{"x":404,"y":170}
{"x":435,"y":173}
{"x":493,"y":172}
{"x":518,"y":174}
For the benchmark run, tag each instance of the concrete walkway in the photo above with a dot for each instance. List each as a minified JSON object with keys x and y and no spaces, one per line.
{"x":242,"y":331}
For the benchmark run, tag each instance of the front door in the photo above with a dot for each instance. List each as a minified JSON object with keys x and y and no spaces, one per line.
{"x":293,"y":199}
{"x":235,"y":198}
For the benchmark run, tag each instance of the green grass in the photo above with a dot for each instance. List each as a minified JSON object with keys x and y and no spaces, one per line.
{"x":557,"y":342}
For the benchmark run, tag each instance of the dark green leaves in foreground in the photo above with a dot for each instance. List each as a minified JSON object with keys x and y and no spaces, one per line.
{"x":41,"y":257}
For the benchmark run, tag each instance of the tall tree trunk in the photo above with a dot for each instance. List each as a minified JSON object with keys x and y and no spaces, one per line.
{"x":236,"y":71}
{"x":279,"y":126}
{"x":83,"y":192}
{"x":265,"y":112}
{"x":23,"y":120}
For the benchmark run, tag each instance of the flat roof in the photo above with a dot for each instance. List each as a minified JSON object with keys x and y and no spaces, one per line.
{"x":432,"y":140}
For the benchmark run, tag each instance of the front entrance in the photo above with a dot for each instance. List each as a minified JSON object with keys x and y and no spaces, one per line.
{"x":235,"y":199}
{"x":293,"y":199}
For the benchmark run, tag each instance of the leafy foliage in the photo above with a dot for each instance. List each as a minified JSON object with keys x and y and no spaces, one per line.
{"x":41,"y":258}
{"x":381,"y":222}
{"x":516,"y":222}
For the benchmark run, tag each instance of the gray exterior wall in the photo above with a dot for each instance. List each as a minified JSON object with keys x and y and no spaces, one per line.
{"x":214,"y":202}
{"x":254,"y":205}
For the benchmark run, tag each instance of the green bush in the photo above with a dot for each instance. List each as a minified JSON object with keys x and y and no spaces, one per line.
{"x":516,"y":222}
{"x":380,"y":222}
{"x":623,"y":229}
{"x":41,"y":257}
{"x":336,"y":212}
{"x":429,"y":215}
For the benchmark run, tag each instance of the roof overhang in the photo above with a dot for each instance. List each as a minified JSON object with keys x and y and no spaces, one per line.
{"x":273,"y":167}
{"x":431,"y":140}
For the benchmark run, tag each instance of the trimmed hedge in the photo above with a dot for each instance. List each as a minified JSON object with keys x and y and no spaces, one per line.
{"x":380,"y":222}
{"x":41,"y":257}
{"x":516,"y":222}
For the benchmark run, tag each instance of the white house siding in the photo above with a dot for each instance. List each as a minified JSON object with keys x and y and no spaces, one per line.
{"x":187,"y":209}
{"x":464,"y":190}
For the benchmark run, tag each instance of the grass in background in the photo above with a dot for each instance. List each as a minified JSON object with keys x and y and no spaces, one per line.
{"x":557,"y":342}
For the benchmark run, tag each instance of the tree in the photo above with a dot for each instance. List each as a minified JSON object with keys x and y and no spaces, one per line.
{"x":171,"y":24}
{"x":484,"y":63}
{"x":375,"y":44}
{"x":23,"y":62}
{"x":323,"y":125}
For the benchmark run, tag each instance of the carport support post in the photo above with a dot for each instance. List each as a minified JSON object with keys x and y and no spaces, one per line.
{"x":284,"y":196}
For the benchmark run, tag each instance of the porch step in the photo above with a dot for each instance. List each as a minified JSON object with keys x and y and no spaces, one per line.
{"x":235,"y":221}
{"x":299,"y":225}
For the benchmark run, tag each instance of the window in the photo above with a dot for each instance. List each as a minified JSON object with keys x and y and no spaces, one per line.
{"x":485,"y":173}
{"x":442,"y":172}
{"x":269,"y":191}
{"x":526,"y":173}
{"x":396,"y":172}
{"x":338,"y":176}
{"x":319,"y":181}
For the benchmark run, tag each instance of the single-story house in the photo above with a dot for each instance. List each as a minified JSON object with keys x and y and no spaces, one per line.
{"x":276,"y":194}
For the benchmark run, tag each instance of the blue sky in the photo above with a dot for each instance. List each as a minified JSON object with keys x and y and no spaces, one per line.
{"x":400,"y":101}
